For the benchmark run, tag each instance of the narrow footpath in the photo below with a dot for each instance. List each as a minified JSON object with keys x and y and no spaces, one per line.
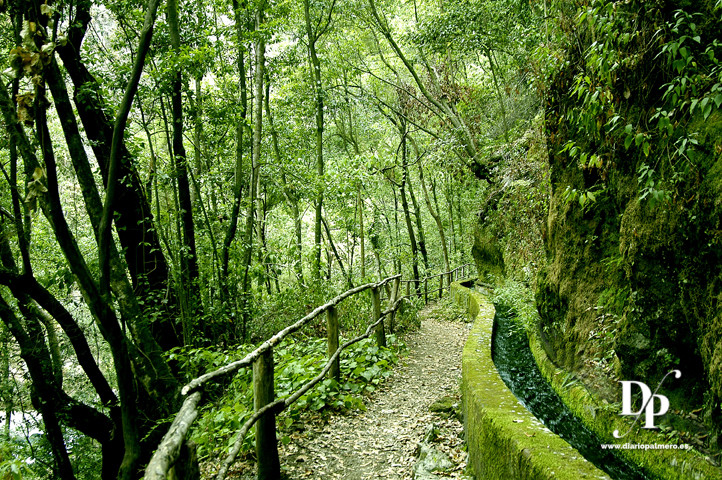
{"x":386,"y":440}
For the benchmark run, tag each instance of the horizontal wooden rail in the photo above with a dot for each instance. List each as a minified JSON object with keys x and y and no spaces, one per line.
{"x":170,"y":446}
{"x":265,"y":406}
{"x":278,"y":337}
{"x":450,"y":276}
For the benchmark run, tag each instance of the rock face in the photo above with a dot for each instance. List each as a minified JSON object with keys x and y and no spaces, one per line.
{"x":633,"y":283}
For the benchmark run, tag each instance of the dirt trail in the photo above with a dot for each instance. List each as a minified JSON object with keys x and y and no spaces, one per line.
{"x":382,"y":441}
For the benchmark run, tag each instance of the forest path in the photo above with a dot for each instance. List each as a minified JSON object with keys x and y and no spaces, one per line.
{"x":382,"y":441}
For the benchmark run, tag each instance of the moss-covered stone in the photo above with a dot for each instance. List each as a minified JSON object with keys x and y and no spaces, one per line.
{"x":487,"y":255}
{"x":504,"y":440}
{"x":444,"y":405}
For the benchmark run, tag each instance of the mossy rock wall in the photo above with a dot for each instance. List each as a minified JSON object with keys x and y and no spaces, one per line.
{"x":632,"y":287}
{"x":603,"y":419}
{"x":504,"y":440}
{"x":487,"y":255}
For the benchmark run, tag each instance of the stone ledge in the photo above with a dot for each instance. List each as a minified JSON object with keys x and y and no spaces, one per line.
{"x":504,"y":440}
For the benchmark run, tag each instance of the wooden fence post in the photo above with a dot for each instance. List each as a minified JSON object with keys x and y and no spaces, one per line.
{"x":269,"y":467}
{"x":426,"y":290}
{"x":380,"y":333}
{"x":332,"y":336}
{"x":441,"y":285}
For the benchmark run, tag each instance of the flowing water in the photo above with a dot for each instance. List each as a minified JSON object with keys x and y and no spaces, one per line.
{"x":518,"y":369}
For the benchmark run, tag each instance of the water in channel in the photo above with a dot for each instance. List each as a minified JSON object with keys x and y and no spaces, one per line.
{"x":518,"y":369}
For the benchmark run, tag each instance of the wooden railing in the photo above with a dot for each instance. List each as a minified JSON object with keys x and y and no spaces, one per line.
{"x":266,"y":407}
{"x":444,"y":278}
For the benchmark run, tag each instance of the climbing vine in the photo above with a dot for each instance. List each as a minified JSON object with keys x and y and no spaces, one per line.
{"x":640,"y":55}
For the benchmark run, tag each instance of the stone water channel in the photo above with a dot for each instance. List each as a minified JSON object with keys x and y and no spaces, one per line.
{"x":518,"y":369}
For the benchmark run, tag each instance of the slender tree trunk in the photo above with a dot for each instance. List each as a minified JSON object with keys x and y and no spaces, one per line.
{"x":407,"y":214}
{"x":263,"y":259}
{"x":450,"y":205}
{"x":361,"y":205}
{"x":435,"y":215}
{"x":460,"y":222}
{"x":376,"y":242}
{"x":198,"y":129}
{"x":6,"y":387}
{"x":335,"y":254}
{"x":188,"y":258}
{"x":318,"y":95}
{"x":260,"y":48}
{"x":312,"y":37}
{"x":417,"y":217}
{"x":288,"y":192}
{"x":226,"y":287}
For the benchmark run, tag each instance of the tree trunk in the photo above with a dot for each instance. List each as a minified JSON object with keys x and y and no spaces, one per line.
{"x":197,"y":134}
{"x":312,"y":37}
{"x":6,"y":387}
{"x":289,"y":193}
{"x":226,"y":287}
{"x":450,"y":204}
{"x":460,"y":222}
{"x":31,"y":347}
{"x":417,"y":217}
{"x":434,"y":213}
{"x":255,"y":174}
{"x":188,"y":258}
{"x":361,"y":206}
{"x":144,"y":256}
{"x":407,"y":214}
{"x":335,"y":254}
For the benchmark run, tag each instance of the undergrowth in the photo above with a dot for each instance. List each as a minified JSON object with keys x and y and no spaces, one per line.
{"x":364,"y":366}
{"x":519,"y":297}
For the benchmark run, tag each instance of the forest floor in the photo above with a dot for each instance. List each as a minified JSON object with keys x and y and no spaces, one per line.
{"x":383,"y":442}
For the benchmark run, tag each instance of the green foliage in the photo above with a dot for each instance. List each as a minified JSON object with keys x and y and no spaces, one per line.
{"x":586,"y":198}
{"x":364,"y":366}
{"x":407,"y":318}
{"x":12,"y":466}
{"x":514,"y":213}
{"x":636,"y":51}
{"x":519,"y":298}
{"x":364,"y":82}
{"x":479,"y":25}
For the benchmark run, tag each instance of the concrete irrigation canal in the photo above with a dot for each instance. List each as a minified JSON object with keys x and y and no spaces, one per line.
{"x":505,"y":440}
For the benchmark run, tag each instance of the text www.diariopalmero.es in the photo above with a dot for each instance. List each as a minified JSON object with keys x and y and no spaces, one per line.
{"x":645,"y":446}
